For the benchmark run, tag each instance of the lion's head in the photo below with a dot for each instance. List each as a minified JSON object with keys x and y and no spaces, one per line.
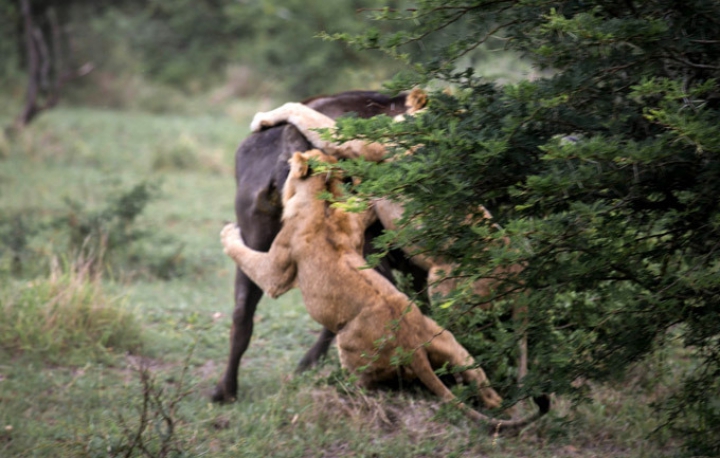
{"x":415,"y":101}
{"x":302,"y":167}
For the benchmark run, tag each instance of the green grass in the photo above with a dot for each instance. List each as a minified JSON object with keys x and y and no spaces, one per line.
{"x":66,"y":318}
{"x":89,"y":403}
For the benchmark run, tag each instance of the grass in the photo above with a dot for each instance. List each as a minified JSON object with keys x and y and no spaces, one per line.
{"x":85,"y":398}
{"x":66,"y":318}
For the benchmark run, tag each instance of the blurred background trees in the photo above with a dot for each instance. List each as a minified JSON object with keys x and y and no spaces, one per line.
{"x":141,"y":52}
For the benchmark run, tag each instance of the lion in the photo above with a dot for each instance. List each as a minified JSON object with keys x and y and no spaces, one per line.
{"x":380,"y":332}
{"x":439,"y":279}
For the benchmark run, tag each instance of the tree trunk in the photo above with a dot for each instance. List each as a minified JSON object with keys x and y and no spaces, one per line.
{"x":47,"y":68}
{"x":30,"y":110}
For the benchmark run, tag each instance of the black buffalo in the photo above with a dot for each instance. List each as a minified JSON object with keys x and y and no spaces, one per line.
{"x":260,"y":170}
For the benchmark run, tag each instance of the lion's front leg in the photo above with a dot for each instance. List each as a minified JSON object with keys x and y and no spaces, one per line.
{"x":274,"y":272}
{"x":307,"y":121}
{"x":304,"y":118}
{"x":297,"y":114}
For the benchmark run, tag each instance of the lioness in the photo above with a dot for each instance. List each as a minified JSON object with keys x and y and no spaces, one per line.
{"x":440,"y":283}
{"x":380,"y":333}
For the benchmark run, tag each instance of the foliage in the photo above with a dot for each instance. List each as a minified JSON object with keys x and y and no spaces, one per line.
{"x":106,"y":239}
{"x":109,"y":237}
{"x":190,"y":42}
{"x":192,"y":45}
{"x":16,"y":229}
{"x":93,"y":234}
{"x":604,"y":175}
{"x":8,"y":44}
{"x":285,"y":44}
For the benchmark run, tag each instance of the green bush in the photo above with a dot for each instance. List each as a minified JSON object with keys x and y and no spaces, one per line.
{"x":105,"y":239}
{"x":153,"y":55}
{"x":16,"y":229}
{"x":602,"y":171}
{"x":110,"y":238}
{"x":95,"y":234}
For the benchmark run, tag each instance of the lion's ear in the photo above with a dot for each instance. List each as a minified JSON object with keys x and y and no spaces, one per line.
{"x":304,"y":167}
{"x":416,"y":100}
{"x":299,"y":165}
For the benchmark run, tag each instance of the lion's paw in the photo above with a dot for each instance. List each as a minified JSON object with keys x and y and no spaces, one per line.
{"x":259,"y":121}
{"x":276,"y":116}
{"x":230,"y":234}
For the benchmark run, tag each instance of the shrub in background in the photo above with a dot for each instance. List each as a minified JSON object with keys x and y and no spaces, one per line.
{"x":16,"y":229}
{"x":108,"y":238}
{"x":94,"y":233}
{"x":153,"y":55}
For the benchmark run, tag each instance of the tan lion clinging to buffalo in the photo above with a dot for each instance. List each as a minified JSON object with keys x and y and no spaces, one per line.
{"x":319,"y":250}
{"x":440,"y":281}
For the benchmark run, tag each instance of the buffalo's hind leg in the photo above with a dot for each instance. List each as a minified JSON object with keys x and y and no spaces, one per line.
{"x":247,"y":296}
{"x":317,"y":352}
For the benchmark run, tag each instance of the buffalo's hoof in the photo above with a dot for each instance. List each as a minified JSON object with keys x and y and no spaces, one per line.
{"x":220,"y":395}
{"x":543,"y":403}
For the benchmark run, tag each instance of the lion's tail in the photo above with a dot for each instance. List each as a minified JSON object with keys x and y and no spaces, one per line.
{"x":423,"y":370}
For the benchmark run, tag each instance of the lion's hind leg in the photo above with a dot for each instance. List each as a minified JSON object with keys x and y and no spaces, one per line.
{"x":443,"y":349}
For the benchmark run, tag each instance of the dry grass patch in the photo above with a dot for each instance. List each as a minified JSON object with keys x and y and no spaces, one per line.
{"x":66,"y":317}
{"x":379,"y":411}
{"x":348,"y":421}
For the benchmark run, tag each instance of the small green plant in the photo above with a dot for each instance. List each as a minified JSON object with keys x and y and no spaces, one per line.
{"x":16,"y":229}
{"x":95,"y":234}
{"x":66,"y":318}
{"x":109,"y":236}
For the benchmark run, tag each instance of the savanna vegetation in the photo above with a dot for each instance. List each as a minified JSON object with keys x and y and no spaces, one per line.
{"x":586,"y":127}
